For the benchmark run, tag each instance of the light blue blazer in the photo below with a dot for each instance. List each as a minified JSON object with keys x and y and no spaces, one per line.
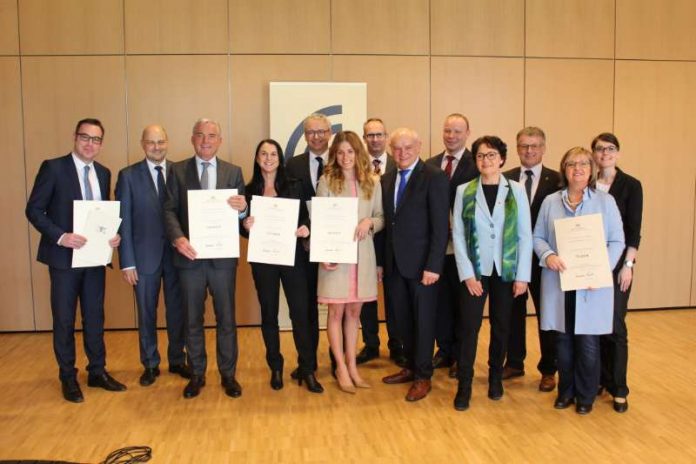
{"x":490,"y":232}
{"x":594,"y":310}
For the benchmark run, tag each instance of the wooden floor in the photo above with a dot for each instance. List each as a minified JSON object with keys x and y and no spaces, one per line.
{"x":373,"y":426}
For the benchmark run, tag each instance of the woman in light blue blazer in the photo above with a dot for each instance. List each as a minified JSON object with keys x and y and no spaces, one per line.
{"x":492,"y":236}
{"x":581,"y":316}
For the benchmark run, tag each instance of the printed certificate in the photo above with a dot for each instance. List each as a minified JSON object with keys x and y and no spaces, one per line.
{"x":333,"y":226}
{"x":213,"y":224}
{"x":272,"y":238}
{"x":98,"y":221}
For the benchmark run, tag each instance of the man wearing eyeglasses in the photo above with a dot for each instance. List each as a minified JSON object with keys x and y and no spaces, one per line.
{"x":146,"y":254}
{"x":60,"y":181}
{"x":538,"y":181}
{"x":457,"y":163}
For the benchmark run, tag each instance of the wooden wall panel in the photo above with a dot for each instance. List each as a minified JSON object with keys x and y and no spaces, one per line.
{"x":175,"y":91}
{"x":400,"y":101}
{"x":571,"y":28}
{"x":71,"y":27}
{"x":9,"y":37}
{"x":488,"y":91}
{"x":15,"y":285}
{"x":571,"y":100}
{"x":656,"y":29}
{"x":398,"y":27}
{"x":176,"y":26}
{"x":477,"y":27}
{"x":290,"y":26}
{"x":659,"y":98}
{"x":57,"y":92}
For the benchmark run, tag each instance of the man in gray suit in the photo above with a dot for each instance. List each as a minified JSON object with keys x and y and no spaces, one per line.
{"x":146,"y":254}
{"x":198,"y":276}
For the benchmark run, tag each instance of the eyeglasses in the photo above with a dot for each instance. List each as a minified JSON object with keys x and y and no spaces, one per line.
{"x":609,"y":149}
{"x":489,"y":156}
{"x":88,"y":138}
{"x":584,"y":164}
{"x":533,"y":147}
{"x":375,"y":135}
{"x":152,"y":143}
{"x":316,"y":133}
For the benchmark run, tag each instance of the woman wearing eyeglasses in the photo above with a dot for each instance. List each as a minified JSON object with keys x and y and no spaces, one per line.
{"x":628,"y":194}
{"x":579,"y":316}
{"x":492,"y":236}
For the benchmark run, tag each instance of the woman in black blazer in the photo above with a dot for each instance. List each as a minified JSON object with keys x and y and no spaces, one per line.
{"x":269,"y":180}
{"x":628,"y":193}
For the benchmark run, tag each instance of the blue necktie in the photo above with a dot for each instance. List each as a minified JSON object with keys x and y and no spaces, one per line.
{"x":88,"y":186}
{"x":402,"y":185}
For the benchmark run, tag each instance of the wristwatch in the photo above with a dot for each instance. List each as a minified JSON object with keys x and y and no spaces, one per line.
{"x":629,"y":264}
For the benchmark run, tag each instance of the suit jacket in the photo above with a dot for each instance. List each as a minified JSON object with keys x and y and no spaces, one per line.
{"x":465,"y":171}
{"x":298,"y":167}
{"x":50,"y":206}
{"x":182,"y":178}
{"x":143,"y":238}
{"x":380,"y":236}
{"x":416,"y":231}
{"x":628,"y":194}
{"x":549,"y":182}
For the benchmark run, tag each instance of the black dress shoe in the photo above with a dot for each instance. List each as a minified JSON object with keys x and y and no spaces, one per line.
{"x":232,"y":387}
{"x":313,"y":384}
{"x":453,"y":371}
{"x":620,"y":407}
{"x":563,"y":403}
{"x":71,"y":391}
{"x":149,"y":376}
{"x":182,"y":369}
{"x":461,"y":400}
{"x":441,"y":360}
{"x":193,"y":388}
{"x":583,"y":409}
{"x":105,"y":381}
{"x":276,"y":380}
{"x":397,"y":355}
{"x":495,"y":389}
{"x":367,"y":354}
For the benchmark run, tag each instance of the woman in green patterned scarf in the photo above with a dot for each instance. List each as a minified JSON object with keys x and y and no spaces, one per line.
{"x":492,"y":235}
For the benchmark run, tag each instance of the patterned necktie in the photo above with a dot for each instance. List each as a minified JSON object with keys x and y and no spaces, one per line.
{"x":376,"y":163}
{"x":320,"y":169}
{"x":402,"y":185}
{"x":448,"y":166}
{"x":204,"y":175}
{"x":528,"y":184}
{"x":161,"y":192}
{"x":88,"y":185}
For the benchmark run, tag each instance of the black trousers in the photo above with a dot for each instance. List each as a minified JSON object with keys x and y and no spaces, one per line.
{"x":614,"y":347}
{"x":67,"y":286}
{"x":369,"y":320}
{"x":517,"y":343}
{"x":414,"y":310}
{"x":470,"y":318}
{"x":312,"y":306}
{"x":195,"y":284}
{"x":447,"y":309}
{"x":268,"y":278}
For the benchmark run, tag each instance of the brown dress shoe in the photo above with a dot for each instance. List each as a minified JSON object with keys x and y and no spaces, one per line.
{"x":418,"y":390}
{"x":547,"y":383}
{"x":511,"y":372}
{"x":403,"y":376}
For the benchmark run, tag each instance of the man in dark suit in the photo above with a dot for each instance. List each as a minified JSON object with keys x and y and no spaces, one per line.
{"x":199,"y":276}
{"x":457,"y":163}
{"x":60,"y":181}
{"x":416,"y":218}
{"x":539,"y":181}
{"x":375,"y":137}
{"x":146,"y":254}
{"x":308,"y":168}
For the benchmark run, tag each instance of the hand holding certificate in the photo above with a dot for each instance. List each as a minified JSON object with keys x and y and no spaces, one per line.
{"x":583,"y":248}
{"x":213,"y":224}
{"x":272,"y":238}
{"x":98,"y":222}
{"x":333,"y":228}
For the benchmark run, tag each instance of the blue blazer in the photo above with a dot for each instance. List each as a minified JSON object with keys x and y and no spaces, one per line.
{"x":50,"y":206}
{"x":143,"y":237}
{"x":490,"y":232}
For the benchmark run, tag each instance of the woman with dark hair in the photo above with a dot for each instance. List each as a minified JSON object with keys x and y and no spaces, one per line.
{"x":492,"y":235}
{"x":578,"y":316}
{"x":269,"y":180}
{"x":628,"y":194}
{"x":345,"y":287}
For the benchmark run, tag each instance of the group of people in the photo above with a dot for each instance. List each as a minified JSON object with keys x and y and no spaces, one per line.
{"x":442,"y":236}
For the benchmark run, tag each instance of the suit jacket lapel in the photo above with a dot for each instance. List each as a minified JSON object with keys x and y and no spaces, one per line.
{"x":146,"y":178}
{"x":389,"y":185}
{"x":417,"y":169}
{"x":71,"y":173}
{"x":192,"y":180}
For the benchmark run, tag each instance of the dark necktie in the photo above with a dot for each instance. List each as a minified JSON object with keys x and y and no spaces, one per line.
{"x":448,"y":166}
{"x":528,"y":184}
{"x":402,"y":185}
{"x":161,"y":193}
{"x":320,"y":169}
{"x":376,"y":163}
{"x":204,"y":175}
{"x":88,"y":186}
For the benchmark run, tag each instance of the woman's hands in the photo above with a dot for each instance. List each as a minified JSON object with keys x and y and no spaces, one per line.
{"x":363,"y":229}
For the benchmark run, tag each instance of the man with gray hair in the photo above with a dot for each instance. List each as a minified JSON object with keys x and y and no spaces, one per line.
{"x":205,"y":171}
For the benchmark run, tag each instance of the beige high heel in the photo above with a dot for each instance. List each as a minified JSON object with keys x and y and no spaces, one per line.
{"x":346,"y":387}
{"x":359,"y":382}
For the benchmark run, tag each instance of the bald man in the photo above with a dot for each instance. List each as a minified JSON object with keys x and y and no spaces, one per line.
{"x":146,"y":254}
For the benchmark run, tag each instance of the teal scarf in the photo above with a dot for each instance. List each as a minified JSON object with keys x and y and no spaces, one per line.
{"x":509,"y":231}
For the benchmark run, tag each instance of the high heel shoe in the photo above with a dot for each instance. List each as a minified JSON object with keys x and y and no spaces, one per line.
{"x":347,"y":385}
{"x":276,"y":380}
{"x":359,"y":382}
{"x":312,"y":384}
